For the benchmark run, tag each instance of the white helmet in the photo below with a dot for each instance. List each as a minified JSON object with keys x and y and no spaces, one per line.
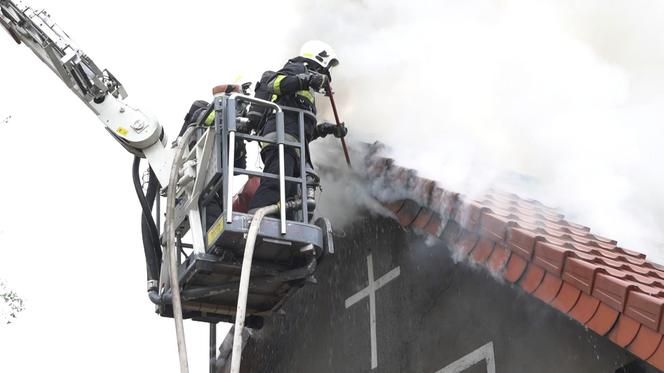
{"x":320,"y":53}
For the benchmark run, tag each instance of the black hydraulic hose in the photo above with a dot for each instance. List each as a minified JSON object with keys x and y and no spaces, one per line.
{"x":148,"y":248}
{"x":148,"y":227}
{"x":149,"y":241}
{"x":152,"y":193}
{"x":155,"y":297}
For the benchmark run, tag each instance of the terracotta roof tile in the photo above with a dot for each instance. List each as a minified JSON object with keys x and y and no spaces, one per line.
{"x":650,"y":264}
{"x":577,"y":226}
{"x":443,"y":201}
{"x":644,"y":271}
{"x":551,"y":257}
{"x":646,"y":309}
{"x":435,"y":226}
{"x":482,"y":250}
{"x":468,"y":214}
{"x":566,"y":298}
{"x":657,"y":359}
{"x":636,"y":261}
{"x":605,"y":240}
{"x":422,"y":219}
{"x":465,"y":243}
{"x":379,"y":167}
{"x":590,"y":258}
{"x":394,"y":206}
{"x":584,"y":309}
{"x":451,"y":232}
{"x":516,"y":266}
{"x":498,"y":258}
{"x":616,"y":262}
{"x":532,"y":279}
{"x":515,"y":200}
{"x":646,"y":280}
{"x":634,"y":254}
{"x":548,"y":288}
{"x":522,"y":242}
{"x":400,"y":178}
{"x":421,"y":190}
{"x":603,"y":320}
{"x":527,"y":214}
{"x":655,"y":292}
{"x":494,"y":226}
{"x":646,"y":342}
{"x":625,"y":331}
{"x":408,"y":212}
{"x":580,"y":274}
{"x":612,"y":290}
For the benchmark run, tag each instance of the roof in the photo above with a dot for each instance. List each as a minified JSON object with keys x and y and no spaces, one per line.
{"x":613,"y":291}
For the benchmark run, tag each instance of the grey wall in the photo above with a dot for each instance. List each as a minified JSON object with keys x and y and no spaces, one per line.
{"x":432,"y":314}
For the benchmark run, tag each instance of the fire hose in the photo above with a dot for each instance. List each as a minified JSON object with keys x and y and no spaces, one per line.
{"x":245,"y":274}
{"x":170,"y":254}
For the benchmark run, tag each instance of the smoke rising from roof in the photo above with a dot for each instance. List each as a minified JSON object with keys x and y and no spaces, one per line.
{"x":566,"y":99}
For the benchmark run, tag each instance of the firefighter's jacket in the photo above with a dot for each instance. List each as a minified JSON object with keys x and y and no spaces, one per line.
{"x":287,"y":90}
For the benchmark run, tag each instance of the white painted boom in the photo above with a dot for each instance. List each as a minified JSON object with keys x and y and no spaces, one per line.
{"x":137,"y":132}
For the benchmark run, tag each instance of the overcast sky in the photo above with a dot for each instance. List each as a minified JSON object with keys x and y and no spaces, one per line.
{"x":568,"y":92}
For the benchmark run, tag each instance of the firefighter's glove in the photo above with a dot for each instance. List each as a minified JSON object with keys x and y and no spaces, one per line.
{"x":325,"y":129}
{"x":340,"y":130}
{"x":317,"y":81}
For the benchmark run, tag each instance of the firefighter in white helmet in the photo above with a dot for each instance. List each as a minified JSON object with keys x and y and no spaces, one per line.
{"x":294,"y":85}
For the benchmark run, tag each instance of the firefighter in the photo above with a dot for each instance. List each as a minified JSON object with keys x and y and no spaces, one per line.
{"x":294,"y":85}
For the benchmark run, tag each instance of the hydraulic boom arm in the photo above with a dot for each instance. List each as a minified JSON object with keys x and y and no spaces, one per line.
{"x":98,"y":89}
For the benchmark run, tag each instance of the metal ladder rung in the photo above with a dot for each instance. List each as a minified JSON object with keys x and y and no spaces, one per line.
{"x":261,"y":139}
{"x":289,"y":179}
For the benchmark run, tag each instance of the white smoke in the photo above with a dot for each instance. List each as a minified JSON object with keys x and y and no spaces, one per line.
{"x":569,"y":94}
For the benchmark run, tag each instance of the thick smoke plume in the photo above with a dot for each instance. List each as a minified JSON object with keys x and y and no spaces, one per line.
{"x":555,"y":100}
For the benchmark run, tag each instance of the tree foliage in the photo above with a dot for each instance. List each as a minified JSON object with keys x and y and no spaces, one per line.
{"x":10,"y":304}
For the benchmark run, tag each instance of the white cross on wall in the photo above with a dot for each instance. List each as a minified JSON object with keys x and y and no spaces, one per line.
{"x":370,"y":291}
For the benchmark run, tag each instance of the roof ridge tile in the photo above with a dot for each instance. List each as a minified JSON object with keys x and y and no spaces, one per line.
{"x":611,"y":290}
{"x":580,"y":273}
{"x":646,"y":309}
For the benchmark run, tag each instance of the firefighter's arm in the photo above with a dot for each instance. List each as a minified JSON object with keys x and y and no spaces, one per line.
{"x":288,"y":84}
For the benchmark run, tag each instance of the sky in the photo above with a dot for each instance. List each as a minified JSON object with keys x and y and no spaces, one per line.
{"x":568,"y":93}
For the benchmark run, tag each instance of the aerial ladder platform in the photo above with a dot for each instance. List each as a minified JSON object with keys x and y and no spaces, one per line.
{"x":237,"y":267}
